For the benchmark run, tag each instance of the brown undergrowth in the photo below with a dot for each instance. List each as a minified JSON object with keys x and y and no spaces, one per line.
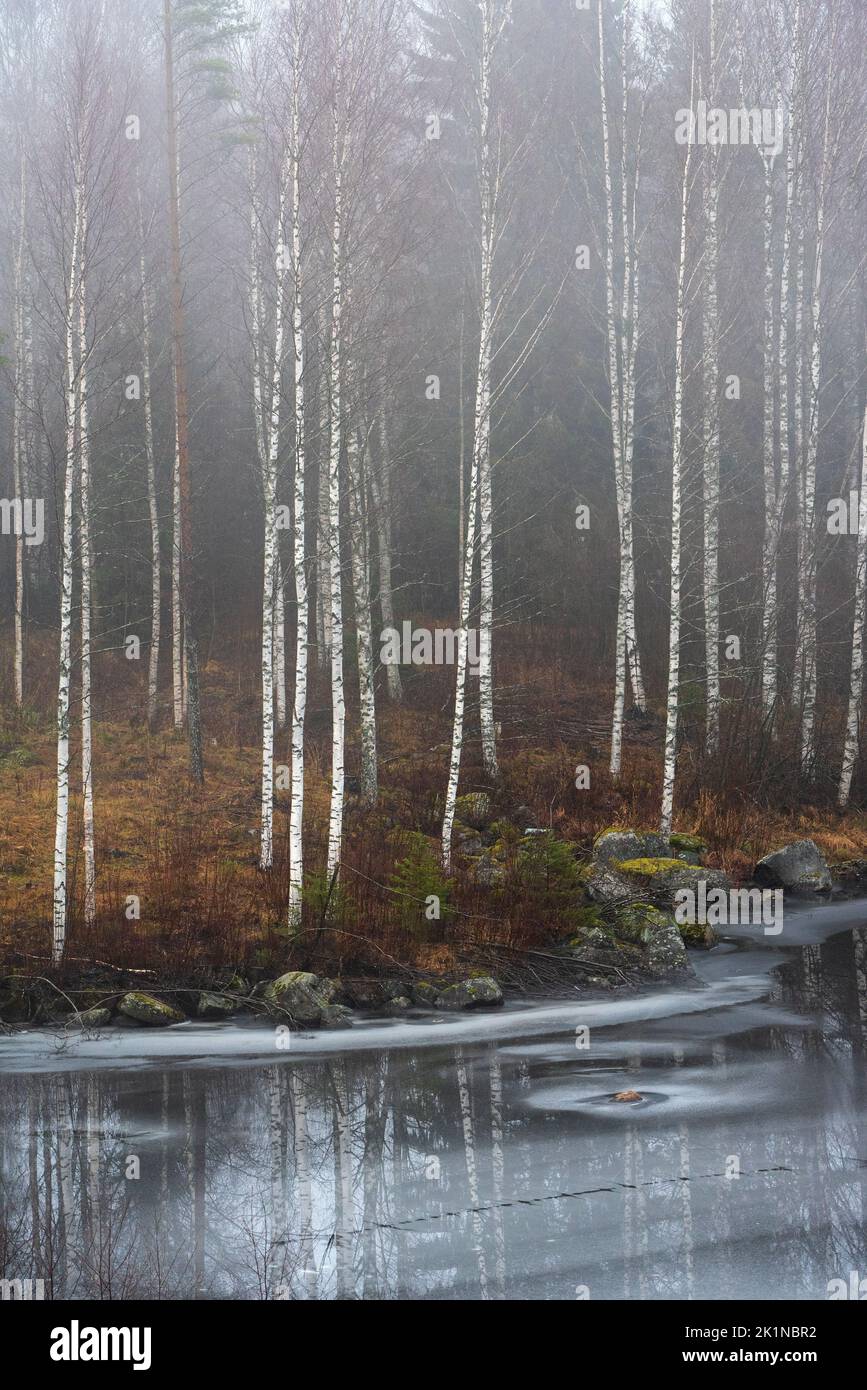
{"x":189,"y":854}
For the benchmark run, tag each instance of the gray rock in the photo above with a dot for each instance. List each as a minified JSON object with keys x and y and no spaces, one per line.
{"x":489,"y":871}
{"x":474,"y":809}
{"x":655,"y":879}
{"x":475,"y":993}
{"x":295,"y":992}
{"x":799,"y":868}
{"x":628,"y":844}
{"x":666,"y":952}
{"x":212,"y":1005}
{"x":90,"y":1018}
{"x":335,"y":1016}
{"x":148,"y":1010}
{"x":425,"y":993}
{"x":398,"y":1005}
{"x":467,"y":841}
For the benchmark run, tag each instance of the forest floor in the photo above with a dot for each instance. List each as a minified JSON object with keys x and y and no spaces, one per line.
{"x":188,"y":855}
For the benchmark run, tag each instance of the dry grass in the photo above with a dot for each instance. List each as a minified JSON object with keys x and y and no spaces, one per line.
{"x":190,"y":854}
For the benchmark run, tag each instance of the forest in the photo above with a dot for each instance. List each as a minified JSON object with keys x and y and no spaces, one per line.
{"x":433,"y":588}
{"x":406,"y":407}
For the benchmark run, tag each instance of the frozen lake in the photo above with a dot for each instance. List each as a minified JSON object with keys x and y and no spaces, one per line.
{"x":463,"y":1159}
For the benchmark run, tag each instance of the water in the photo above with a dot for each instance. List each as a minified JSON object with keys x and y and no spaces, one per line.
{"x":477,"y":1158}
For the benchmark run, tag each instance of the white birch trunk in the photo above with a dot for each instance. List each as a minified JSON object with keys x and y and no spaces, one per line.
{"x":270,"y":565}
{"x":673,"y":696}
{"x":380,"y":487}
{"x":461,"y":682}
{"x":18,"y":430}
{"x":770,"y":542}
{"x":178,"y":702}
{"x":361,"y":600}
{"x":711,"y":423}
{"x":61,"y":826}
{"x":86,"y":569}
{"x":622,"y":335}
{"x":153,"y":507}
{"x":856,"y":672}
{"x":323,"y":547}
{"x":482,"y":432}
{"x":279,"y":640}
{"x":807,"y":567}
{"x":338,"y":700}
{"x":299,"y":702}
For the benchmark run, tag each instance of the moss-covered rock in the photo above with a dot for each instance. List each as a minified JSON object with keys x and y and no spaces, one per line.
{"x":798,"y":868}
{"x":698,"y":934}
{"x":295,"y":993}
{"x":214,"y":1006}
{"x":659,"y":879}
{"x":475,"y":809}
{"x":90,"y":1018}
{"x":149,"y":1011}
{"x":637,"y":921}
{"x":425,"y":993}
{"x":614,"y":844}
{"x":480,"y":991}
{"x":335,"y":1016}
{"x":690,"y":844}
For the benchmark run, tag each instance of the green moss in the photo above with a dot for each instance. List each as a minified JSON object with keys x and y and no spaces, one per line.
{"x":648,"y":868}
{"x":691,"y":844}
{"x":697,"y":934}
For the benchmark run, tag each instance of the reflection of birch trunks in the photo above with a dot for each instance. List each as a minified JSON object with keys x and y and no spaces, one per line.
{"x":304,"y":1183}
{"x":344,"y":1202}
{"x":277,"y":1247}
{"x":468,"y":1125}
{"x":358,"y":534}
{"x":498,"y":1167}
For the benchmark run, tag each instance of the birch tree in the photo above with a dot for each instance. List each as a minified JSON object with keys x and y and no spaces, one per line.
{"x":856,"y":669}
{"x":622,"y":311}
{"x":86,"y":569}
{"x":61,"y":828}
{"x":299,"y":535}
{"x":711,"y":423}
{"x":335,"y":408}
{"x":672,"y":708}
{"x":153,"y":504}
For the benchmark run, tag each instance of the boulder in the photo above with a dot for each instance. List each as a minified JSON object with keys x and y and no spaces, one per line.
{"x":688,"y":847}
{"x":488,"y":871}
{"x":607,"y":887}
{"x":425,"y":993}
{"x":474,"y":809}
{"x":399,"y":1005}
{"x":637,"y":921}
{"x":666,"y":956}
{"x":90,"y":1018}
{"x":467,"y":841}
{"x":148,"y":1010}
{"x":296,"y":994}
{"x":480,"y":991}
{"x":363,"y":994}
{"x":210,"y":1005}
{"x":335,"y":1016}
{"x":613,"y":845}
{"x":660,"y":878}
{"x":798,"y":868}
